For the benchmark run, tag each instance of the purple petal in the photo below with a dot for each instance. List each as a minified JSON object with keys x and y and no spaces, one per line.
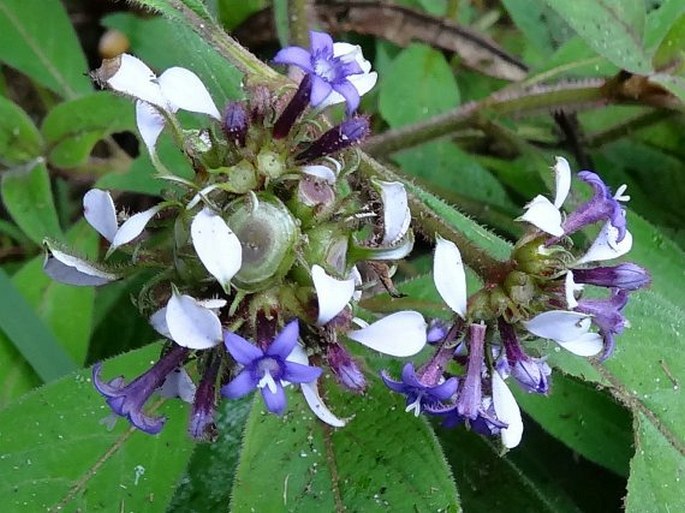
{"x":349,"y":92}
{"x":285,"y":342}
{"x":239,"y":386}
{"x":320,"y":90}
{"x":295,"y":56}
{"x":298,"y":373}
{"x":151,"y":425}
{"x":275,"y":401}
{"x":320,"y":42}
{"x":241,"y":350}
{"x":409,"y":376}
{"x":395,"y":386}
{"x":107,"y":389}
{"x":445,"y":390}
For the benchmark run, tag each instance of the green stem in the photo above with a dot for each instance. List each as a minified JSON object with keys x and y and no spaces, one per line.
{"x":298,"y":22}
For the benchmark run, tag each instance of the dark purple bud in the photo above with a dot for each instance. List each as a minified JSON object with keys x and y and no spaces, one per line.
{"x":345,"y":369}
{"x":234,"y":123}
{"x":294,"y":109}
{"x":346,"y":134}
{"x":626,"y":276}
{"x":201,"y":426}
{"x":128,"y":400}
{"x":470,"y":394}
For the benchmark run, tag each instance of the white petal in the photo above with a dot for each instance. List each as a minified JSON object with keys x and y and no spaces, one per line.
{"x":184,"y":90}
{"x":133,"y":227}
{"x":357,"y":277}
{"x":363,"y":82}
{"x":217,"y":246}
{"x":605,"y":246}
{"x":179,"y":384}
{"x":132,"y":77}
{"x":449,"y":275}
{"x":396,"y":214}
{"x":562,"y":178}
{"x":507,"y":410}
{"x":100,"y":212}
{"x":570,"y":289}
{"x":319,"y":171}
{"x":72,"y":270}
{"x":559,"y":325}
{"x":398,"y":334}
{"x":316,"y":404}
{"x":190,"y":324}
{"x":215,"y":304}
{"x":588,"y":344}
{"x":401,"y":250}
{"x":332,"y":294}
{"x":158,"y":321}
{"x":542,"y":214}
{"x":150,"y":124}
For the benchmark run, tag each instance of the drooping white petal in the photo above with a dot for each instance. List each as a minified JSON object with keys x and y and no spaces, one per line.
{"x":449,"y":275}
{"x":133,"y":227}
{"x":131,"y":76}
{"x":605,"y":246}
{"x":570,"y":289}
{"x":559,"y":325}
{"x":507,"y":410}
{"x":100,"y":212}
{"x":190,"y":324}
{"x":325,"y":173}
{"x":398,"y":334}
{"x":150,"y":123}
{"x":542,"y":214}
{"x":184,"y":90}
{"x":72,"y":270}
{"x":158,"y":321}
{"x":396,"y":214}
{"x":332,"y":294}
{"x":215,"y":304}
{"x":562,"y":179}
{"x":217,"y":246}
{"x":588,"y":344}
{"x":316,"y":404}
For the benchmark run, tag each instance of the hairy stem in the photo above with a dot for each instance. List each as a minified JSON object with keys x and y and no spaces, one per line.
{"x":298,"y":21}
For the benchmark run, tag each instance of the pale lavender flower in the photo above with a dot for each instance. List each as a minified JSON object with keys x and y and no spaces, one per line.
{"x":531,"y":373}
{"x":606,"y":315}
{"x":421,"y":395}
{"x":345,"y":368}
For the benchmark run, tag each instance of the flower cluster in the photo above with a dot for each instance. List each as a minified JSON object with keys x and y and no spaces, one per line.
{"x":537,"y":293}
{"x":260,"y":259}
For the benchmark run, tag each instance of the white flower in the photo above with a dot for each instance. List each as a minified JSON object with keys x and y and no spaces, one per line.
{"x":398,"y":334}
{"x":606,"y":247}
{"x":449,"y":276}
{"x":507,"y":410}
{"x":362,"y":82}
{"x":332,"y":294}
{"x":396,"y":214}
{"x":72,"y":270}
{"x":571,"y":330}
{"x":190,"y":324}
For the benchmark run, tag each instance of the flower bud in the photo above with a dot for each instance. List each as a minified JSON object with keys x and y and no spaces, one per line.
{"x":349,"y":132}
{"x":234,"y":123}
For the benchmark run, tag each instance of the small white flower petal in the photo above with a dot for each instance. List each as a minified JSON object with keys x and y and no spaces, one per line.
{"x":396,"y":214}
{"x":316,"y":404}
{"x":562,"y":178}
{"x":358,"y":282}
{"x":364,"y":82}
{"x":507,"y":410}
{"x":131,"y":76}
{"x":158,"y":321}
{"x":190,"y":324}
{"x":588,"y":344}
{"x":100,"y":212}
{"x":71,"y":270}
{"x":184,"y":90}
{"x":150,"y":124}
{"x":325,"y":173}
{"x":398,"y":334}
{"x":449,"y":275}
{"x":542,"y":214}
{"x":179,"y":384}
{"x":215,"y":304}
{"x":217,"y":246}
{"x":559,"y":325}
{"x":133,"y":227}
{"x":605,"y":246}
{"x":398,"y":252}
{"x":332,"y":294}
{"x":570,"y":289}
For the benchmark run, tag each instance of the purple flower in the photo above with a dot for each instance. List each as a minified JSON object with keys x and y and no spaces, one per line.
{"x":331,"y":68}
{"x":531,"y":373}
{"x":128,"y":400}
{"x":626,"y":276}
{"x":484,"y":423}
{"x":266,"y":369}
{"x":606,"y":315}
{"x":421,"y":396}
{"x":602,"y":207}
{"x":345,"y":368}
{"x":349,"y":132}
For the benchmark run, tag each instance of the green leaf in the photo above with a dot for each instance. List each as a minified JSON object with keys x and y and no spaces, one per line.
{"x":613,"y":28}
{"x":418,"y":72}
{"x":72,"y":128}
{"x":37,"y":38}
{"x":383,"y":460}
{"x":163,"y":43}
{"x":231,"y":14}
{"x":68,"y":460}
{"x":671,"y":51}
{"x":586,"y":420}
{"x":659,"y":20}
{"x":20,"y":140}
{"x":27,"y":195}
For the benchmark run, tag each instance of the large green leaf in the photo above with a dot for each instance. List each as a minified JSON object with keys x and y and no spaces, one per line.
{"x":613,"y":28}
{"x":383,"y":460}
{"x":72,"y":128}
{"x":27,"y":195}
{"x":58,"y":455}
{"x":20,"y":140}
{"x":37,"y":38}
